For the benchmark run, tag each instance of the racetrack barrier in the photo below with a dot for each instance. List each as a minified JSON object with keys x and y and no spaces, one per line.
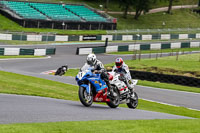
{"x":165,"y":78}
{"x":89,"y":50}
{"x":23,"y":51}
{"x":51,"y":37}
{"x":132,"y":47}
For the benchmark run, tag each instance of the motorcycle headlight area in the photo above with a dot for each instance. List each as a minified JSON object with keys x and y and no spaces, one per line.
{"x":80,"y":75}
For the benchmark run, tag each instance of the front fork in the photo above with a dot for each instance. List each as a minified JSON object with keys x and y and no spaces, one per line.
{"x":88,"y":88}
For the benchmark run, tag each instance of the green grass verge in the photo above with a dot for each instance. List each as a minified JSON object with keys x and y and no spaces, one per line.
{"x":157,"y":107}
{"x":168,"y":86}
{"x":187,"y":65}
{"x":12,"y":83}
{"x":16,"y":42}
{"x":182,"y":18}
{"x":8,"y":25}
{"x":72,"y":72}
{"x":19,"y":56}
{"x":123,"y":126}
{"x":156,"y":51}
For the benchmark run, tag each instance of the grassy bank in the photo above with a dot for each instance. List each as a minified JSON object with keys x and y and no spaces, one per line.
{"x":25,"y":85}
{"x":182,"y":18}
{"x":125,"y":126}
{"x":20,"y":56}
{"x":168,"y":86}
{"x":177,"y":20}
{"x":187,"y":65}
{"x":8,"y":25}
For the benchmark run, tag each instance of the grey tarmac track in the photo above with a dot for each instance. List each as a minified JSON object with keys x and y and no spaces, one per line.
{"x":30,"y":109}
{"x":66,"y":55}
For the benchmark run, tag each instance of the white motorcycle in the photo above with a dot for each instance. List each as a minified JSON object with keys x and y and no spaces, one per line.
{"x":128,"y":96}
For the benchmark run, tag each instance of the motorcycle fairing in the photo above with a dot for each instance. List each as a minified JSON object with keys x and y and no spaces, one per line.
{"x":94,"y":79}
{"x":98,"y":83}
{"x":101,"y":96}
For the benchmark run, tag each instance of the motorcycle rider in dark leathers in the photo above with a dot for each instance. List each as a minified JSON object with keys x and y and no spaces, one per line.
{"x":98,"y":66}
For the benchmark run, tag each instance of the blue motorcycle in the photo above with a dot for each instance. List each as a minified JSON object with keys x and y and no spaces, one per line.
{"x":93,"y":89}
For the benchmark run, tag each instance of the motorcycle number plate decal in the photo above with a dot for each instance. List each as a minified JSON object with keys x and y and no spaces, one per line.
{"x":80,"y":75}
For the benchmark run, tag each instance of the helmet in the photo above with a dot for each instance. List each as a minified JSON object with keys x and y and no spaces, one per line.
{"x":119,"y":62}
{"x":91,"y":59}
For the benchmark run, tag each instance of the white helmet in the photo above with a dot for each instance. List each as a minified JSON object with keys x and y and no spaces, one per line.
{"x":91,"y":59}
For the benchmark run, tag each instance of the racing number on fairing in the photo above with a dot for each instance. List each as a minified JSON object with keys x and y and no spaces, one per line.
{"x":80,"y":75}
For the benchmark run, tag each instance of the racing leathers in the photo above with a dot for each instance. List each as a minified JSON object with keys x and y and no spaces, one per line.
{"x":124,"y":71}
{"x":99,"y":67}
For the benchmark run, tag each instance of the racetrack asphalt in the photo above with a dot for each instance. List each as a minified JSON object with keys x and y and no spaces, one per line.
{"x":66,"y":55}
{"x":31,"y":109}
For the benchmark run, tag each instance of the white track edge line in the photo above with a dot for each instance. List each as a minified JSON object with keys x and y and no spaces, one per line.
{"x":168,"y":104}
{"x":170,"y":90}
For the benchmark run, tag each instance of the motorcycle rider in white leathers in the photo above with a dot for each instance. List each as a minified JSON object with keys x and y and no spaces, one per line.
{"x":122,"y":69}
{"x":97,"y":66}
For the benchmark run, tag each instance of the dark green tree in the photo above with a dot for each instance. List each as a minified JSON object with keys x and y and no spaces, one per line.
{"x":125,"y":5}
{"x":142,"y":6}
{"x":170,"y":6}
{"x":106,"y":5}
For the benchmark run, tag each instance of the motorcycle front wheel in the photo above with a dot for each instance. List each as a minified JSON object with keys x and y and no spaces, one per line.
{"x":133,"y":101}
{"x":84,"y":97}
{"x":114,"y":101}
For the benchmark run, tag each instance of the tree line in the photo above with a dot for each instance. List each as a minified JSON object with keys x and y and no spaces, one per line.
{"x":140,"y":6}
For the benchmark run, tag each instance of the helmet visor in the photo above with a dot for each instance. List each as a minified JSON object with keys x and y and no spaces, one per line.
{"x":118,"y":64}
{"x":89,"y":62}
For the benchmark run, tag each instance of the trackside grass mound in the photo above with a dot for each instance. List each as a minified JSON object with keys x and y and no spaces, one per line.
{"x":8,"y":25}
{"x":123,"y":126}
{"x":12,"y":83}
{"x":187,"y":65}
{"x":181,"y":18}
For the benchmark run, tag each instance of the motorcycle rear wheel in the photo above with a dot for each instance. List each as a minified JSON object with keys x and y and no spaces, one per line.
{"x":85,"y":99}
{"x":114,"y":102}
{"x":133,"y":101}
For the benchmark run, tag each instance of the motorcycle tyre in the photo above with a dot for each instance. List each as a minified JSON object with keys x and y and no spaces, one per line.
{"x":133,"y":103}
{"x":82,"y":99}
{"x":111,"y":104}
